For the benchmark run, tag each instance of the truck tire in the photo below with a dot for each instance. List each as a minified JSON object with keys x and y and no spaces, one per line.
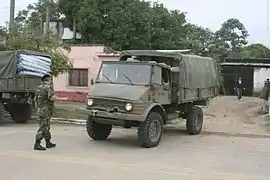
{"x":97,"y":131}
{"x":194,"y":121}
{"x":151,"y":130}
{"x":20,"y":112}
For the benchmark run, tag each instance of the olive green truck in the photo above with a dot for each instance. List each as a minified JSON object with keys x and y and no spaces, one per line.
{"x":20,"y":74}
{"x":147,"y":89}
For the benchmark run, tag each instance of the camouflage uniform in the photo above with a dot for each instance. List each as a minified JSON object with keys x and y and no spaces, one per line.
{"x":45,"y":111}
{"x":4,"y":114}
{"x":44,"y":94}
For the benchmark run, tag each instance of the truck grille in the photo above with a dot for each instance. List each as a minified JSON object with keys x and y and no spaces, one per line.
{"x":104,"y":104}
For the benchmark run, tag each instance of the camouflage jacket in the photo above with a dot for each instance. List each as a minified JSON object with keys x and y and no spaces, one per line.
{"x":44,"y":100}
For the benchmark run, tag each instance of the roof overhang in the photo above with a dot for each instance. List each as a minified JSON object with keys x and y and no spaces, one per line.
{"x":245,"y":64}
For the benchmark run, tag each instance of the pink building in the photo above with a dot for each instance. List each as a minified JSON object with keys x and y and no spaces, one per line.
{"x":75,"y":85}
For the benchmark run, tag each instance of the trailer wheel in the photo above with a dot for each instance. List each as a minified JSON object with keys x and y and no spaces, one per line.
{"x":150,"y":131}
{"x":194,"y":121}
{"x":97,"y":131}
{"x":20,"y":112}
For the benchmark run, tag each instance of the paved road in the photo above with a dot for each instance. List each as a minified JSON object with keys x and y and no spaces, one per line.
{"x":203,"y":157}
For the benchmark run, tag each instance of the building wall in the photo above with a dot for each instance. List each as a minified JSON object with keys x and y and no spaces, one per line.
{"x":231,"y":73}
{"x":82,"y":57}
{"x":260,"y":75}
{"x":254,"y":78}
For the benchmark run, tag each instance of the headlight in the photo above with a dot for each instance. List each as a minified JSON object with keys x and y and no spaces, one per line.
{"x":128,"y":106}
{"x":90,"y":102}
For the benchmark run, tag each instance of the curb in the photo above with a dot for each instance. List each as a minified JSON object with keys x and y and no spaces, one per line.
{"x":66,"y":121}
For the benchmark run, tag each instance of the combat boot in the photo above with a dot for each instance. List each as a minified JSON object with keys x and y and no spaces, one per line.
{"x":38,"y":147}
{"x":49,"y":144}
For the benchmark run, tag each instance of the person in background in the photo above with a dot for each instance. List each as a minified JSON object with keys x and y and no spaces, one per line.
{"x":264,"y":95}
{"x":239,"y":88}
{"x":44,"y":101}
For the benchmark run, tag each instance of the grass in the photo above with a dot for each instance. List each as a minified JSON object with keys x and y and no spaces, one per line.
{"x":70,"y":110}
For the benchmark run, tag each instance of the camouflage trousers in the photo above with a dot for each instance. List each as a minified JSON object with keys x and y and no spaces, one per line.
{"x":44,"y":128}
{"x":4,"y":114}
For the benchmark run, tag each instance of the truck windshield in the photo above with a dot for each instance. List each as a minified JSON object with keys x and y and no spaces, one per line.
{"x":125,"y":74}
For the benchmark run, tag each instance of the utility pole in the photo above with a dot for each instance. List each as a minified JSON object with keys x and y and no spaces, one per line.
{"x":11,"y":15}
{"x":48,"y":16}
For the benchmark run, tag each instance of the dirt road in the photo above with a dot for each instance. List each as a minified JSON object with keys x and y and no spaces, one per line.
{"x":228,"y":115}
{"x":219,"y":153}
{"x":179,"y":156}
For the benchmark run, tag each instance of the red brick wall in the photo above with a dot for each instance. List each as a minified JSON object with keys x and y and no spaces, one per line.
{"x":72,"y":96}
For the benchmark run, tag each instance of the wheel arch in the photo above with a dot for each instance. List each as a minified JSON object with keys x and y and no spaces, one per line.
{"x":155,"y":107}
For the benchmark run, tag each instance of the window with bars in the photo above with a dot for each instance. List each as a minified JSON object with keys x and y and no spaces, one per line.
{"x":78,"y":77}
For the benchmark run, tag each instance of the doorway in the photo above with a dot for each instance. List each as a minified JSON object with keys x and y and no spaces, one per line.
{"x":230,"y":76}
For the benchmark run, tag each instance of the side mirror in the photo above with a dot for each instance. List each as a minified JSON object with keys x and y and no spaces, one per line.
{"x":92,"y":82}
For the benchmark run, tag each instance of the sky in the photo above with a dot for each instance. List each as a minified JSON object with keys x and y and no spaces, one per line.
{"x":206,"y":13}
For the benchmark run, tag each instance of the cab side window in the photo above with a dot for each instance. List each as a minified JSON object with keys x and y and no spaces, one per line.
{"x":165,"y":76}
{"x":157,"y":75}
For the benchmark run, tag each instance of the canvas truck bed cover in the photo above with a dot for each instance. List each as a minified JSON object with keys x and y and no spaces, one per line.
{"x":198,"y":72}
{"x":194,"y":71}
{"x":9,"y":59}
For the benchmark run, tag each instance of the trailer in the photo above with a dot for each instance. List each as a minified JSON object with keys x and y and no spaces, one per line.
{"x":17,"y":90}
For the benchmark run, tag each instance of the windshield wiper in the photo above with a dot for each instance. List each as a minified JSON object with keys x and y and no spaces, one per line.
{"x":129,"y":79}
{"x":107,"y":78}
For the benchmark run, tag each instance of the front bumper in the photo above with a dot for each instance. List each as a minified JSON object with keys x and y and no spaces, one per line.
{"x":115,"y":116}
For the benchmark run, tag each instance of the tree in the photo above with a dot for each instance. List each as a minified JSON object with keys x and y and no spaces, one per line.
{"x":126,"y":24}
{"x":257,"y":51}
{"x":201,"y":40}
{"x":231,"y":37}
{"x":3,"y":37}
{"x":168,"y":30}
{"x":29,"y":35}
{"x":3,"y":31}
{"x":120,"y":24}
{"x":28,"y":39}
{"x":135,"y":24}
{"x":70,"y":8}
{"x":35,"y":14}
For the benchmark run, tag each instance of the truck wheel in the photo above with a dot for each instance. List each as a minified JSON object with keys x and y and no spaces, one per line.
{"x":96,"y":130}
{"x":150,"y":131}
{"x":194,"y":121}
{"x":19,"y":112}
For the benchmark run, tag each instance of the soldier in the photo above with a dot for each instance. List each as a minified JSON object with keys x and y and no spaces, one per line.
{"x":44,"y":100}
{"x":264,"y":95}
{"x":239,"y":88}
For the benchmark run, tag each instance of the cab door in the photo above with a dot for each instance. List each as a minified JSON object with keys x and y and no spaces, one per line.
{"x":162,"y":83}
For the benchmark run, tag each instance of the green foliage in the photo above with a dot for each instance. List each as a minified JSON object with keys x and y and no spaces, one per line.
{"x":136,"y":24}
{"x":231,"y":37}
{"x":125,"y":24}
{"x":35,"y":14}
{"x":28,"y":35}
{"x":3,"y":31}
{"x":257,"y":51}
{"x":201,"y":40}
{"x":28,"y":39}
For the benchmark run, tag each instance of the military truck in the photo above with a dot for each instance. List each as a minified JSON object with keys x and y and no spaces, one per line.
{"x":147,"y":89}
{"x":17,"y":90}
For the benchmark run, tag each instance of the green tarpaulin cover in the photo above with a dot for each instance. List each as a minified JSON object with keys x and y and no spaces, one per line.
{"x":8,"y":61}
{"x":194,"y":71}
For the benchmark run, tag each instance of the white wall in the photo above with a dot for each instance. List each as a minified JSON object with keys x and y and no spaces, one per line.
{"x":260,"y":75}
